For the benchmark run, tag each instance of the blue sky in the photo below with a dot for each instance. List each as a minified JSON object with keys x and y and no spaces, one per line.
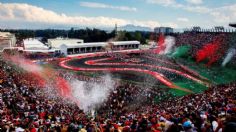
{"x":105,"y":13}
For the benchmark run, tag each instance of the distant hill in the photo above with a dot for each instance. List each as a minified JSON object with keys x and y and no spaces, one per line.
{"x":33,"y":26}
{"x":131,"y":27}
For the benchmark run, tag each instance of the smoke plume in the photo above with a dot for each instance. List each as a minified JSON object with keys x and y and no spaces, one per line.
{"x":92,"y":94}
{"x":24,"y":64}
{"x":165,"y":44}
{"x":87,"y":95}
{"x":169,"y":43}
{"x":229,"y":56}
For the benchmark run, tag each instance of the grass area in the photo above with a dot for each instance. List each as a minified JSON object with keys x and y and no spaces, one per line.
{"x":193,"y":86}
{"x":216,"y":74}
{"x":177,"y":93}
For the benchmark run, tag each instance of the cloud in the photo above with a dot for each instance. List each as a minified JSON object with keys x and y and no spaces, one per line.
{"x":171,"y":24}
{"x":221,"y":15}
{"x":101,"y":5}
{"x":162,"y":2}
{"x":173,"y":3}
{"x":25,"y":13}
{"x":224,"y":14}
{"x":182,"y":19}
{"x":197,"y":9}
{"x":195,"y":1}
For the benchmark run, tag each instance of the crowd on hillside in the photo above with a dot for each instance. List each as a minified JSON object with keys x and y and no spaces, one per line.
{"x":130,"y":108}
{"x":197,"y":40}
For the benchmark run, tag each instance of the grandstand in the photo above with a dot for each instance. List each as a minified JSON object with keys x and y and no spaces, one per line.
{"x":145,"y":91}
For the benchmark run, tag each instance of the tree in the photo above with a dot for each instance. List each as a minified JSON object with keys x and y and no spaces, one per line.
{"x":137,"y":36}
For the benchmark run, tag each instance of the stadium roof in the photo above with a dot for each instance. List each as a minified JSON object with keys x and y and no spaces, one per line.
{"x":87,"y":45}
{"x":232,"y":25}
{"x":95,"y":44}
{"x":34,"y":44}
{"x":42,"y":51}
{"x":57,"y":42}
{"x":125,"y":42}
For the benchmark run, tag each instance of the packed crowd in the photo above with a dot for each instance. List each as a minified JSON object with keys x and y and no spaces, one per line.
{"x":197,"y":40}
{"x":130,"y":108}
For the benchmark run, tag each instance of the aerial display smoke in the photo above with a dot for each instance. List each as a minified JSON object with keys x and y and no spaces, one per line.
{"x":169,"y":43}
{"x":24,"y":64}
{"x":211,"y":51}
{"x":92,"y":94}
{"x":230,"y":54}
{"x":87,"y":95}
{"x":165,"y":45}
{"x":46,"y":77}
{"x":160,"y":44}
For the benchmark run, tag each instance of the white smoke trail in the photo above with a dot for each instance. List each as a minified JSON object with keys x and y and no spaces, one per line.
{"x":25,"y":64}
{"x":169,"y":43}
{"x":92,"y":94}
{"x":229,"y":56}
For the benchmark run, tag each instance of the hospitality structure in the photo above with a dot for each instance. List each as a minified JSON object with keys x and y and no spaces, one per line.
{"x":68,"y":46}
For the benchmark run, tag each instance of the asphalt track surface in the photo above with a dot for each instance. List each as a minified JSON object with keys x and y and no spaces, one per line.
{"x":156,"y":67}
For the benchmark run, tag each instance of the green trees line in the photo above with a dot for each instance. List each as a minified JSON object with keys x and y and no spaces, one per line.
{"x":88,"y":35}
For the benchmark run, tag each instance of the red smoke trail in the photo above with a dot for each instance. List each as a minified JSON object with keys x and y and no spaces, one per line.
{"x":160,"y":44}
{"x":41,"y":77}
{"x":53,"y":78}
{"x":211,"y":51}
{"x":34,"y":79}
{"x":63,"y":86}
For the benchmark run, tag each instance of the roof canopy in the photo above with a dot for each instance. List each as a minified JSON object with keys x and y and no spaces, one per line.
{"x":34,"y":44}
{"x":232,"y":25}
{"x":102,"y":44}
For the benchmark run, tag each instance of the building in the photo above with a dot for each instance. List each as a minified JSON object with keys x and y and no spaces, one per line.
{"x":56,"y":43}
{"x":82,"y":48}
{"x":7,"y":40}
{"x":33,"y":45}
{"x":164,"y":30}
{"x":98,"y":47}
{"x":75,"y":46}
